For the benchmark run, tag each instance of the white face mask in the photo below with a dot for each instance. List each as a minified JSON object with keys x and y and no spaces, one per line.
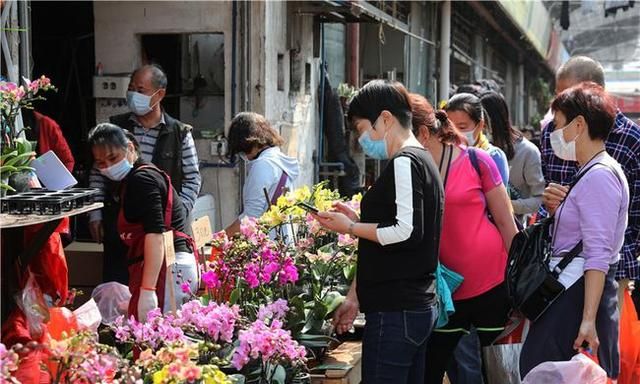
{"x":561,"y":148}
{"x":471,"y":137}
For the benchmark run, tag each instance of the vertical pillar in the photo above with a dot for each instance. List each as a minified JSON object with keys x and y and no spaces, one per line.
{"x":445,"y":49}
{"x":353,"y":60}
{"x":520,"y":97}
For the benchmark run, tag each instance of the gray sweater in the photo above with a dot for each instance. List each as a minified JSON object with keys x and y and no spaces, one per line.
{"x":525,"y":175}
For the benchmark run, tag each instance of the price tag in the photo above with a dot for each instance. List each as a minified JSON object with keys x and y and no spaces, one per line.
{"x":202,"y":233}
{"x":170,"y":259}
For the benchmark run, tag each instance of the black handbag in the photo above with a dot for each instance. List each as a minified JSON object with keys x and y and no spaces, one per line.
{"x":531,"y":286}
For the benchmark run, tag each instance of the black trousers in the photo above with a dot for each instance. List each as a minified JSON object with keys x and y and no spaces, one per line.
{"x":488,"y":313}
{"x":551,"y":337}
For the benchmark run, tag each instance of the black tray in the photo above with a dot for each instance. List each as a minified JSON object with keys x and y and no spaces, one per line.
{"x":45,"y":202}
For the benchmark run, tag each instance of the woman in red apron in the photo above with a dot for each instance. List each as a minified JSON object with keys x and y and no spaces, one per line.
{"x":149,"y":207}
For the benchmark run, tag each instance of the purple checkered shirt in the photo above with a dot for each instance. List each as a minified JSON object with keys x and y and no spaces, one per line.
{"x":623,"y":144}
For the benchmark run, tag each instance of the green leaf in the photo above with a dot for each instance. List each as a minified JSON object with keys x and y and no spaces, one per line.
{"x":279,"y":376}
{"x":332,"y":301}
{"x":4,"y":157}
{"x":8,"y":169}
{"x":21,"y":159}
{"x":235,"y":296}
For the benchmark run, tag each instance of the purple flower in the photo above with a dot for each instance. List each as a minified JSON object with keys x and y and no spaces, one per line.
{"x":270,"y":342}
{"x":251,"y":275}
{"x":210,"y":279}
{"x":185,"y":287}
{"x":289,"y":273}
{"x":276,"y":310}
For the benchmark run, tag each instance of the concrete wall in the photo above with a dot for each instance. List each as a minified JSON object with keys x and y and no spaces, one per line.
{"x":118,"y":26}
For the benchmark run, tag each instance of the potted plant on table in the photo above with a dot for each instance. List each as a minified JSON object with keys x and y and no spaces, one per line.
{"x":17,"y":152}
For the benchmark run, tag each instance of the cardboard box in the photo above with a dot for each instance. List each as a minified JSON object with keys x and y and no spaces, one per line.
{"x":85,"y":262}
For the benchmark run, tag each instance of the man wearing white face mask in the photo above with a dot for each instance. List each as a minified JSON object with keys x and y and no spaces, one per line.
{"x":164,"y":141}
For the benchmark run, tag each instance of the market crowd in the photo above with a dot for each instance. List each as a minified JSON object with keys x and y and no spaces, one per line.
{"x":457,"y":185}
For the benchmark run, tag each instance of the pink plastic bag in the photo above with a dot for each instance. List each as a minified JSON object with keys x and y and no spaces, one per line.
{"x":579,"y":370}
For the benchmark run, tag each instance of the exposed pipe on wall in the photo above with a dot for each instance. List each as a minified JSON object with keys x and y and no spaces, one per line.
{"x":445,"y":49}
{"x":320,"y":152}
{"x":234,"y":59}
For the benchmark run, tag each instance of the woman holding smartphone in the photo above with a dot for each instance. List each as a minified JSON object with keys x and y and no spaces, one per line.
{"x":399,"y":231}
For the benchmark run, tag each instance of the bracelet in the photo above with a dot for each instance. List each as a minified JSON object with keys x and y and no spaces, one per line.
{"x":148,"y":288}
{"x":350,"y":231}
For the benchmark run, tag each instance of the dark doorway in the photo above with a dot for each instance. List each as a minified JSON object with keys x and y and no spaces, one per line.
{"x":63,"y":49}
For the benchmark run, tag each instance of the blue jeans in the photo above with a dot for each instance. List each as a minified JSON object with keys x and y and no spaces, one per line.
{"x":394,"y":346}
{"x":466,"y":366}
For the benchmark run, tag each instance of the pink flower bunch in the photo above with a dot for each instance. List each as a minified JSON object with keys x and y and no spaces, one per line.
{"x":270,"y":343}
{"x":157,"y":331}
{"x":216,"y":321}
{"x":98,"y":367}
{"x":8,"y":364}
{"x":10,"y":92}
{"x":254,"y":258}
{"x":42,"y":83}
{"x":221,"y":241}
{"x":250,"y":229}
{"x":345,"y":240}
{"x":273,"y":311}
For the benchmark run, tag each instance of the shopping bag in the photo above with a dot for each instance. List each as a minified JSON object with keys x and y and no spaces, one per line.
{"x":629,"y":342}
{"x":581,"y":369}
{"x":502,"y":358}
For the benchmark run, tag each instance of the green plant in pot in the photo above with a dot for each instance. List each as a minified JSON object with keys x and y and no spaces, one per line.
{"x":17,"y":152}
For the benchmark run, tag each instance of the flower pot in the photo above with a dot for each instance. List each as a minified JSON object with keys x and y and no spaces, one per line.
{"x":302,"y":378}
{"x":20,"y":181}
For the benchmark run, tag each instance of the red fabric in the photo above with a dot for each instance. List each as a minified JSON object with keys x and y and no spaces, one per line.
{"x":629,"y":342}
{"x":132,"y":235}
{"x":51,"y":138}
{"x":49,"y":266}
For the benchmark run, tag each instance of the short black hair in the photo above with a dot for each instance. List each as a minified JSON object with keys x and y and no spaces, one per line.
{"x":381,"y":95}
{"x":590,"y":101}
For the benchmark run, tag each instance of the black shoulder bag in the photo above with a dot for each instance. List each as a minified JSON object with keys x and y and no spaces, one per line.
{"x":531,"y":286}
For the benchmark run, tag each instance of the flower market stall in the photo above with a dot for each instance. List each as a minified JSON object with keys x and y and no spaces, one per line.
{"x":261,"y":315}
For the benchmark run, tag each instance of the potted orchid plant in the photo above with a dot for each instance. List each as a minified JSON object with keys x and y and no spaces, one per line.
{"x":17,"y":152}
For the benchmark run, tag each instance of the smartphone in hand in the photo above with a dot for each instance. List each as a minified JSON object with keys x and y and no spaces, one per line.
{"x":308,"y":207}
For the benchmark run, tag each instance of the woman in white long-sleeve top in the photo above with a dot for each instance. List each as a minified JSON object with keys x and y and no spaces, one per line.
{"x":399,"y":231}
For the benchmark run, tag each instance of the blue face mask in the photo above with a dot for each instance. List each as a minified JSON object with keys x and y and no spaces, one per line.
{"x":138,"y":102}
{"x":376,"y":149}
{"x":117,"y":171}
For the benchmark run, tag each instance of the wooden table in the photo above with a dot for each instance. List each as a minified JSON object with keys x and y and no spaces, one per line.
{"x":343,"y":365}
{"x":15,"y":252}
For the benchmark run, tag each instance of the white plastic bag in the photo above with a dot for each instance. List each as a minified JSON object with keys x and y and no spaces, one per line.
{"x":88,"y":316}
{"x":112,"y":300}
{"x":579,"y":370}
